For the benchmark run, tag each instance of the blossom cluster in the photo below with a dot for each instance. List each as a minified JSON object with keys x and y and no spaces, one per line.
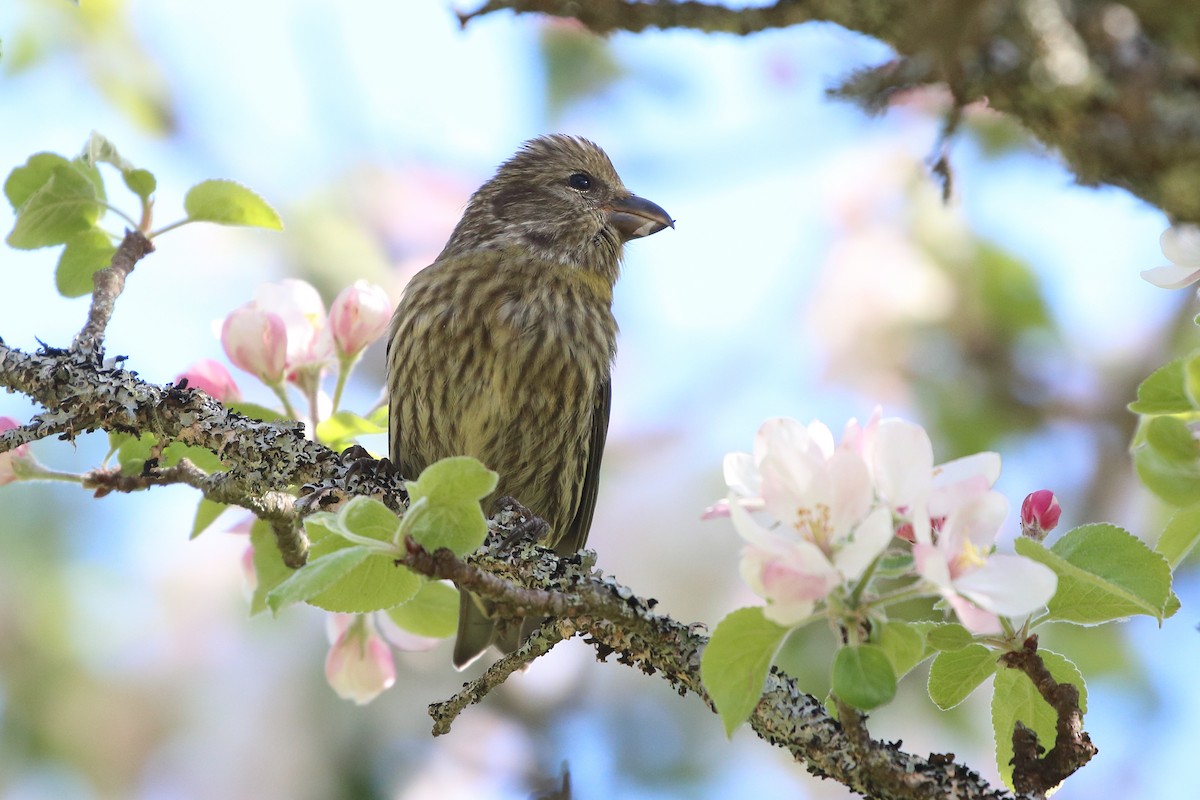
{"x":816,"y":516}
{"x":285,"y":333}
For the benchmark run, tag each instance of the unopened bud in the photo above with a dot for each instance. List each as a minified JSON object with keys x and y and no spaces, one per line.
{"x":1039,"y":514}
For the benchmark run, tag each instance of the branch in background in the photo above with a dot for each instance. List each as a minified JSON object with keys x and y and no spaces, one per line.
{"x":1072,"y":746}
{"x":1110,"y":86}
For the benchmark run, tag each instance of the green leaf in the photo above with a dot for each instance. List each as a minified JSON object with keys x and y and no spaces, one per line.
{"x":35,"y":173}
{"x":1180,"y":535}
{"x":65,"y":205}
{"x":734,"y":664}
{"x":1167,"y":458}
{"x":954,"y":674}
{"x":444,"y":509}
{"x":269,"y":569}
{"x":343,"y":429}
{"x":132,"y":452}
{"x":1173,"y":439}
{"x":379,"y":417}
{"x":863,"y":676}
{"x":86,"y":253}
{"x":99,"y":149}
{"x":1016,"y":699}
{"x":317,"y":576}
{"x":229,"y":203}
{"x":366,"y":516}
{"x":432,"y":612}
{"x":202,"y":457}
{"x":1164,"y":391}
{"x":206,"y":514}
{"x":375,"y":584}
{"x":90,"y":172}
{"x":903,"y":644}
{"x":1104,"y":573}
{"x":1172,"y":606}
{"x":141,"y":182}
{"x":948,"y":636}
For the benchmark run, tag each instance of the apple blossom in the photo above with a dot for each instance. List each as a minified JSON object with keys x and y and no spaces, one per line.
{"x":359,"y":315}
{"x":1181,"y":245}
{"x":359,"y":665}
{"x":979,"y":585}
{"x":823,"y":531}
{"x":921,"y":495}
{"x":212,"y":378}
{"x":256,"y":341}
{"x":1039,"y":514}
{"x":299,"y":305}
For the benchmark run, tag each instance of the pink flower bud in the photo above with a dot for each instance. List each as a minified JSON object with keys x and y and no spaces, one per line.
{"x":1039,"y":514}
{"x":12,"y":461}
{"x":256,"y":341}
{"x":359,"y":316}
{"x":212,"y":378}
{"x":359,"y":665}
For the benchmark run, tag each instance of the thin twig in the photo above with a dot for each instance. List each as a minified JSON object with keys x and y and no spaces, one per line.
{"x":537,"y":645}
{"x":108,"y":284}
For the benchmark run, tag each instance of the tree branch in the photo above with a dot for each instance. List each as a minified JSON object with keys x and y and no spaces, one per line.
{"x":1112,"y":87}
{"x":531,"y":580}
{"x":108,"y":284}
{"x":1072,"y":746}
{"x":264,"y":457}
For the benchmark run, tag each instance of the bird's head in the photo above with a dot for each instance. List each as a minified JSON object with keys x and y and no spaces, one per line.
{"x":560,"y":198}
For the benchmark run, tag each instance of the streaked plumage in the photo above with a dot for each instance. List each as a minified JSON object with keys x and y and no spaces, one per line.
{"x":501,"y":349}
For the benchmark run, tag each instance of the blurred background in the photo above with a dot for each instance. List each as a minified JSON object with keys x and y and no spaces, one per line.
{"x":815,"y":272}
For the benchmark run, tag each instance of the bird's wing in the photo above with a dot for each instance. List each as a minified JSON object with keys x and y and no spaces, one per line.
{"x":576,"y":533}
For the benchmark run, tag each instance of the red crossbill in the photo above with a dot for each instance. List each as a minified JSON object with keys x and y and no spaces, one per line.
{"x":501,"y":349}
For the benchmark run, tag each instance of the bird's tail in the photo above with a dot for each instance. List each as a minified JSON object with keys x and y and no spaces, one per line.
{"x":476,"y":630}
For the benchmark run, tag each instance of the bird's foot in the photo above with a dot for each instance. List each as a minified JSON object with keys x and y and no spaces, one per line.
{"x":525,"y":525}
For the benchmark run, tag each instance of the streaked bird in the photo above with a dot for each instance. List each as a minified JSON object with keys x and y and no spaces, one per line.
{"x":502,"y":348}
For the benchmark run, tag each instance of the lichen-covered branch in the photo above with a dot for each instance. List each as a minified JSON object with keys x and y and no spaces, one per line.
{"x":531,"y":580}
{"x":264,"y":458}
{"x":1113,"y":87}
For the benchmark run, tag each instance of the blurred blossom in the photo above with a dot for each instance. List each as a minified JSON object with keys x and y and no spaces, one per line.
{"x":876,"y":284}
{"x":359,"y":315}
{"x":256,"y":341}
{"x":415,"y":210}
{"x":13,"y":463}
{"x":212,"y":378}
{"x":979,"y":585}
{"x":1181,"y":245}
{"x":359,"y":665}
{"x":1039,"y":514}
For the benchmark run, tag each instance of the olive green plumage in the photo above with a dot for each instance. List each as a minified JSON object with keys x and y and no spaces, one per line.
{"x":501,"y":349}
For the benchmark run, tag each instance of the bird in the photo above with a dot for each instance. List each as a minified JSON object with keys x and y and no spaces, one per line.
{"x":502,"y":348}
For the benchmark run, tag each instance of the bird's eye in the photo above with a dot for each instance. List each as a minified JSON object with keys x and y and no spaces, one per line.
{"x":581,"y":181}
